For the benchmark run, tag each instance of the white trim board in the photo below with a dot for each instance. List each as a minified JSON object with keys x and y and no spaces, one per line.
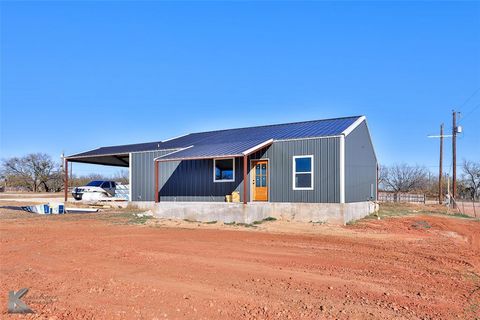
{"x":160,"y":157}
{"x":352,"y":127}
{"x":156,"y":150}
{"x":130,"y":177}
{"x":312,"y":179}
{"x":342,"y":168}
{"x":214,"y":173}
{"x":257,"y":147}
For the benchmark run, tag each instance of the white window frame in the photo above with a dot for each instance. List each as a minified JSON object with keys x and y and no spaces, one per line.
{"x":215,"y":175}
{"x":294,"y":173}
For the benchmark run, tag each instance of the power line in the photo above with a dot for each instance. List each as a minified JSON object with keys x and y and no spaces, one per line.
{"x":471,"y":111}
{"x":468,"y":99}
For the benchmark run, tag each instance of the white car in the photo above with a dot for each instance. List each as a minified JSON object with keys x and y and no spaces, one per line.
{"x":96,"y":186}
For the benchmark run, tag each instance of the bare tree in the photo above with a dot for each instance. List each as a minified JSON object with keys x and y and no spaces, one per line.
{"x":38,"y":172}
{"x":404,"y":178}
{"x":121,"y":176}
{"x":34,"y":171}
{"x":471,"y":177}
{"x":382,"y":175}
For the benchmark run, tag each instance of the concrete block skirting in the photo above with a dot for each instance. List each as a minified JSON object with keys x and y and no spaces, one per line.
{"x":332,"y":213}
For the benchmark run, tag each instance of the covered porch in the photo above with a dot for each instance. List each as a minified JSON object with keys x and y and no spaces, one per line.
{"x":224,"y":158}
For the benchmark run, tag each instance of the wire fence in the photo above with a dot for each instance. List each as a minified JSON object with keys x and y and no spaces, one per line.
{"x":469,"y":208}
{"x":402,"y":197}
{"x":465,"y":207}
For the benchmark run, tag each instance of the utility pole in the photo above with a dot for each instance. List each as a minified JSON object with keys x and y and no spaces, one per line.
{"x":454,"y":155}
{"x":440,"y":171}
{"x":448,"y":183}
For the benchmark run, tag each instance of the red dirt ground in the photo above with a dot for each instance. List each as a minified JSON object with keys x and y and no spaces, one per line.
{"x":104,"y":267}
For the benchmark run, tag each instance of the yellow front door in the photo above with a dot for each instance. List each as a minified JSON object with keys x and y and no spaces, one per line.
{"x":260,"y":181}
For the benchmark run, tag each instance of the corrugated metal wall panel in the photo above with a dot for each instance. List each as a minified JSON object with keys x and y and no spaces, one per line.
{"x":142,"y":183}
{"x":326,"y":170}
{"x":360,"y":166}
{"x":193,"y":180}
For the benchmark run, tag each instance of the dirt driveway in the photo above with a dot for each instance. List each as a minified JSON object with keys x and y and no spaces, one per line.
{"x":118,"y":266}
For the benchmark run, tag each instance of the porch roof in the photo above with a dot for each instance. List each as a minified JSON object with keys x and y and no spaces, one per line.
{"x":216,"y":150}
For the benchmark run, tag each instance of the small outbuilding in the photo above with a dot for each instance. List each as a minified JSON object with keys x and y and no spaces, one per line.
{"x":320,"y":171}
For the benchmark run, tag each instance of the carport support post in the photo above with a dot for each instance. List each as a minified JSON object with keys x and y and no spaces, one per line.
{"x":65,"y":187}
{"x":157,"y":196}
{"x":245,"y":180}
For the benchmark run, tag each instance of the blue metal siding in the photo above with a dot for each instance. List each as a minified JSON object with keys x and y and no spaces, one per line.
{"x":142,"y":174}
{"x":325,"y":165}
{"x":360,"y":166}
{"x":192,"y":180}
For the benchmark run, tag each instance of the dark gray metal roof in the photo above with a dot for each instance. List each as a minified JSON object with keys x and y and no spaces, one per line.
{"x":228,"y":142}
{"x":119,"y":150}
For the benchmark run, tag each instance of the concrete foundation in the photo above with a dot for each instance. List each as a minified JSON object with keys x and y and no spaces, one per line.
{"x":332,"y":213}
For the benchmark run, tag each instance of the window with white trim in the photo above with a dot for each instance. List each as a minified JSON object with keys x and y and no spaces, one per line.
{"x":303,"y":172}
{"x":224,"y":170}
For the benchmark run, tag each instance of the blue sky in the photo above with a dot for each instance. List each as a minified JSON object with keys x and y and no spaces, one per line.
{"x":78,"y":75}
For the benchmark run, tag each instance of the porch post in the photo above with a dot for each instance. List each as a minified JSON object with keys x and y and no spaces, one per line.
{"x":245,"y":178}
{"x":65,"y":185}
{"x":157,"y":196}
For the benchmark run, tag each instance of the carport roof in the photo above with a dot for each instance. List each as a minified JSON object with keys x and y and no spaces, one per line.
{"x":119,"y":150}
{"x":211,"y":144}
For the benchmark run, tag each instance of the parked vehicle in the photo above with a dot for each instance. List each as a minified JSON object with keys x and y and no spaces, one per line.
{"x":96,"y":186}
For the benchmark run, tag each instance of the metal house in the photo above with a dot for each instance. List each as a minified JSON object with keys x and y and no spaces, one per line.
{"x":321,"y":169}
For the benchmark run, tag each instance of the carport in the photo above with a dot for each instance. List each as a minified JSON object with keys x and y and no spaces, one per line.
{"x":116,"y":156}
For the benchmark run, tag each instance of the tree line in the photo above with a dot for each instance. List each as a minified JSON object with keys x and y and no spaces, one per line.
{"x":409,"y":179}
{"x":38,"y":172}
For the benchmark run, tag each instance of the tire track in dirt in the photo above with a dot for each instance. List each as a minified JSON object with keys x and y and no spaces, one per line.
{"x":383,"y":269}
